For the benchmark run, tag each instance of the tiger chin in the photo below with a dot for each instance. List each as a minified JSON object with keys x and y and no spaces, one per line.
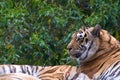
{"x":97,"y":53}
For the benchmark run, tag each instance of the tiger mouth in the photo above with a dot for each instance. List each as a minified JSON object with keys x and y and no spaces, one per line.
{"x":75,"y":53}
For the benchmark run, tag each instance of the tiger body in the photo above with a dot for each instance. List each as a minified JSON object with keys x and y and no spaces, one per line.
{"x":97,"y":53}
{"x":60,"y":72}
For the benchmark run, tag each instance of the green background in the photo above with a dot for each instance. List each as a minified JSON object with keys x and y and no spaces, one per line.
{"x":36,"y":32}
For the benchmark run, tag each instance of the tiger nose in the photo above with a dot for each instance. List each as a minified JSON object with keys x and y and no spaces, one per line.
{"x":69,"y":49}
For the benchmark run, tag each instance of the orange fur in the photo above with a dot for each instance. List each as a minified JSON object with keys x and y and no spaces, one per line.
{"x":107,"y":54}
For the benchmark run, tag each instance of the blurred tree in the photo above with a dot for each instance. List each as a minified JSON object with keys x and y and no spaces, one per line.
{"x":37,"y":32}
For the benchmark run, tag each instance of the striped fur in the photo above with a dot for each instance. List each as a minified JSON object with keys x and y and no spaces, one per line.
{"x":61,"y":72}
{"x":97,"y":53}
{"x":17,"y":76}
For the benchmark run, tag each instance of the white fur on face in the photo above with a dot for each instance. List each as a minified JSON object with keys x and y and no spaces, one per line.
{"x":80,"y":35}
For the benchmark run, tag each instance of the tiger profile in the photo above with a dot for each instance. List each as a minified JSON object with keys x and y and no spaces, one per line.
{"x":17,"y":76}
{"x":59,"y":72}
{"x":97,"y":53}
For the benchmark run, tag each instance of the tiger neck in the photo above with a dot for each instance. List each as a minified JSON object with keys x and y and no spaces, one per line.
{"x":106,"y":57}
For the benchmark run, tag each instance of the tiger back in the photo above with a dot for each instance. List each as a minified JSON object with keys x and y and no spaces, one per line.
{"x":97,"y":53}
{"x":59,"y":72}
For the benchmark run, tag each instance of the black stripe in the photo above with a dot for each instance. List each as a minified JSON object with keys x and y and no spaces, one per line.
{"x":88,"y":50}
{"x":14,"y":68}
{"x":113,"y":72}
{"x":32,"y":69}
{"x":22,"y":68}
{"x":118,"y":74}
{"x":39,"y":75}
{"x":11,"y":71}
{"x":101,"y":65}
{"x":109,"y":39}
{"x":36,"y":68}
{"x":75,"y":76}
{"x":4,"y":69}
{"x":68,"y":73}
{"x":116,"y":52}
{"x":115,"y":65}
{"x":28,"y":71}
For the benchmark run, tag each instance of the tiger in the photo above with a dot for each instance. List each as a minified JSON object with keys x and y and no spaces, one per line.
{"x":59,"y":72}
{"x":17,"y":76}
{"x":97,"y":53}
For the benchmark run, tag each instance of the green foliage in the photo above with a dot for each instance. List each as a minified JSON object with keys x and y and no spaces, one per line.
{"x":37,"y":32}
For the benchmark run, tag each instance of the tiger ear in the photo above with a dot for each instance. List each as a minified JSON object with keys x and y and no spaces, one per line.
{"x":96,"y":30}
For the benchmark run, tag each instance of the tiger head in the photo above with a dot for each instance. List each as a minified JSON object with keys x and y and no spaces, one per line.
{"x":84,"y":43}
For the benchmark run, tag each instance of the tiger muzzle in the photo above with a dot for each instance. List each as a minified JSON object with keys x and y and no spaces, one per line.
{"x":75,"y":53}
